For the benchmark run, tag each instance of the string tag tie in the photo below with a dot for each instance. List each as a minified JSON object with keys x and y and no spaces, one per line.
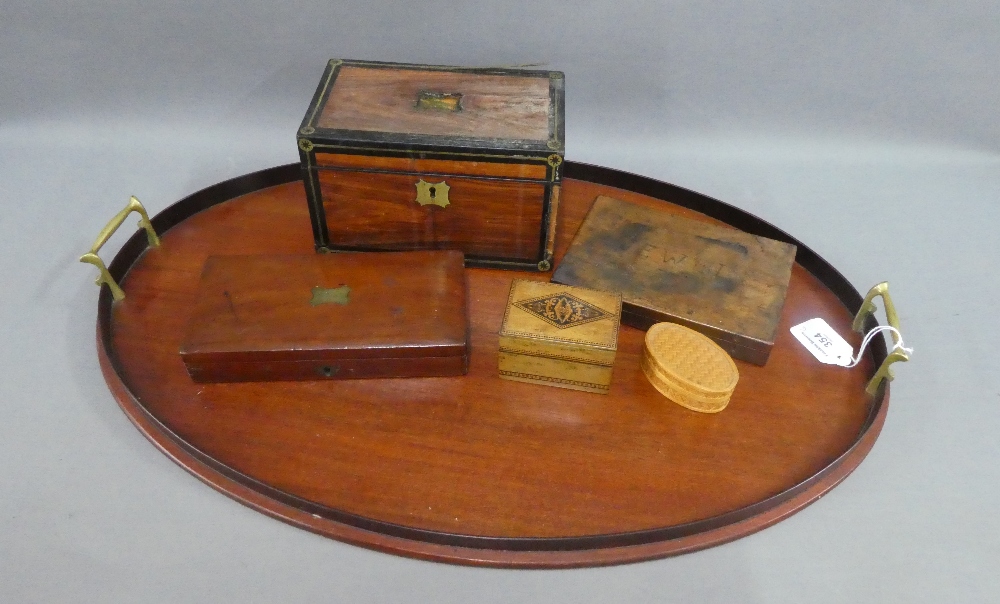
{"x":829,"y":348}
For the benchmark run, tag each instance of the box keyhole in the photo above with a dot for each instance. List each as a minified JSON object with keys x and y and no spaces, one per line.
{"x":328,"y":371}
{"x":432,"y":193}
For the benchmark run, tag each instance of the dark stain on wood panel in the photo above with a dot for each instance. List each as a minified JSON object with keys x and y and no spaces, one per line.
{"x":725,"y":283}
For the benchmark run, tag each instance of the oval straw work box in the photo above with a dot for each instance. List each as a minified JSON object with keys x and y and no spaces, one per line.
{"x":688,"y":368}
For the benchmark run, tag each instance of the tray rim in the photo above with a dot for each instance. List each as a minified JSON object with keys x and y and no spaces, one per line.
{"x":490,"y":551}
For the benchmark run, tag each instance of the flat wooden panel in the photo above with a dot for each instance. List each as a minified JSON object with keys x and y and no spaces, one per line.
{"x":385,"y":100}
{"x":456,"y":458}
{"x":338,"y":369}
{"x":486,"y":218}
{"x":260,"y":307}
{"x":257,"y":317}
{"x":720,"y":281}
{"x":438,"y":166}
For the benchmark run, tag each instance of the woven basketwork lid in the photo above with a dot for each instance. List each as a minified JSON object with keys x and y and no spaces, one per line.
{"x":690,"y":361}
{"x":684,"y":398}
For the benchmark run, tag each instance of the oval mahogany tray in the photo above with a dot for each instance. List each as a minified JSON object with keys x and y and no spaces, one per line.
{"x":475,"y":469}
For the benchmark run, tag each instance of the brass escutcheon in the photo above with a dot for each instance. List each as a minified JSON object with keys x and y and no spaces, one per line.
{"x":432,"y":193}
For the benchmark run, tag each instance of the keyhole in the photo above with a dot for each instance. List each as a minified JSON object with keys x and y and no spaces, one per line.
{"x":432,"y":190}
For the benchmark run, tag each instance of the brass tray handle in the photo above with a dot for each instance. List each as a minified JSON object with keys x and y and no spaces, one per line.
{"x":91,"y":257}
{"x":897,"y":353}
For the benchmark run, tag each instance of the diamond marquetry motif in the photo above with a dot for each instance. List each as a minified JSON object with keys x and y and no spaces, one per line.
{"x":562,"y":310}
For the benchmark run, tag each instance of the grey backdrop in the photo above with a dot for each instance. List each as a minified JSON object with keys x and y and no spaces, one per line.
{"x":869,"y":130}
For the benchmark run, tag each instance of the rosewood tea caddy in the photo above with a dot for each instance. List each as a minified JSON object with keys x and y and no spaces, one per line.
{"x":401,"y":157}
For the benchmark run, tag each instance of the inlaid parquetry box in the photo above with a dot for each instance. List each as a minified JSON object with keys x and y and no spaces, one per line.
{"x":560,"y":335}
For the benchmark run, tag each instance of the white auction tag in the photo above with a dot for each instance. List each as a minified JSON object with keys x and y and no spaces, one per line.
{"x":823,"y":342}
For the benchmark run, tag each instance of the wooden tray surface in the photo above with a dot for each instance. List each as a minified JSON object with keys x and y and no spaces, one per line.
{"x":474,"y":469}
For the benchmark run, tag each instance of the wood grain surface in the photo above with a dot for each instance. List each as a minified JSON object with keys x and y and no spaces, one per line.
{"x":484,"y":218}
{"x":473,"y":469}
{"x":723,"y":282}
{"x":385,"y":100}
{"x":526,"y":171}
{"x":399,"y":314}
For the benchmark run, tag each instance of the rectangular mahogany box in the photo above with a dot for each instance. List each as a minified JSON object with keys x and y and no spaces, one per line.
{"x":560,"y":336}
{"x":401,"y":157}
{"x":720,"y":281}
{"x":329,"y":316}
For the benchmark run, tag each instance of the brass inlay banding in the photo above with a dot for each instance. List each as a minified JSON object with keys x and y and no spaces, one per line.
{"x":513,"y":156}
